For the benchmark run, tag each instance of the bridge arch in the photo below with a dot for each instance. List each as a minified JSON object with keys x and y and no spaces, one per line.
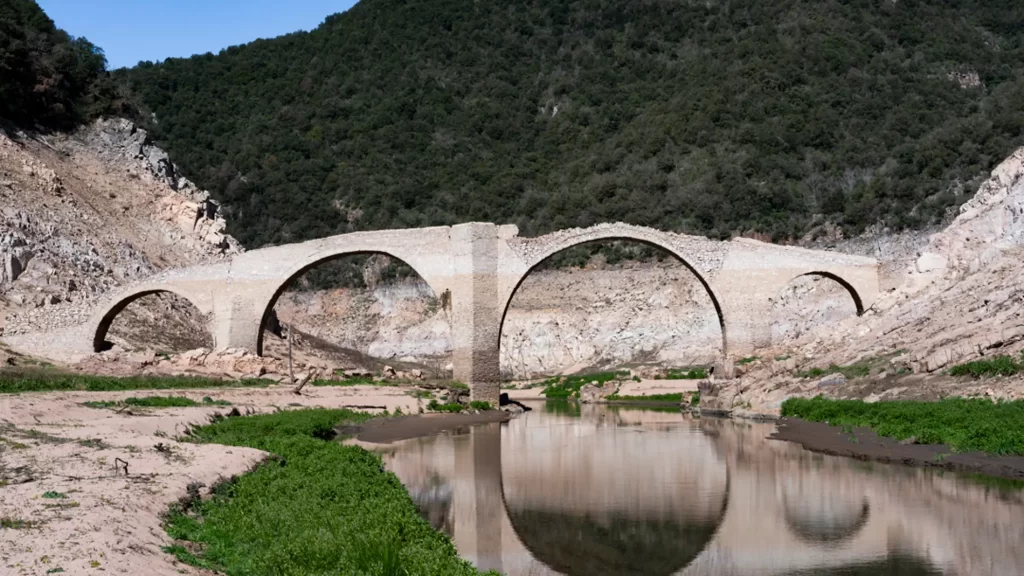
{"x":103,"y":320}
{"x":610,"y":233}
{"x":268,"y":303}
{"x":857,"y":301}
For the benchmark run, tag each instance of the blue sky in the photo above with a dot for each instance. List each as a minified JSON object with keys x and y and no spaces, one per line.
{"x":133,"y":30}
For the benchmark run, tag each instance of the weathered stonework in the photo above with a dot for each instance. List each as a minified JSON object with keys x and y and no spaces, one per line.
{"x":480,"y":266}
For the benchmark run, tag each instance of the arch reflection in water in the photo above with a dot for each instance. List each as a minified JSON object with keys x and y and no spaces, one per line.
{"x":591,"y":497}
{"x":821,"y":512}
{"x":601,"y":491}
{"x":554,"y":495}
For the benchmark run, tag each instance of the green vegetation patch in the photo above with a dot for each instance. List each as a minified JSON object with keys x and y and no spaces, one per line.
{"x":964,"y":424}
{"x":685,"y":374}
{"x":851,"y":371}
{"x":16,"y":524}
{"x":569,"y":386}
{"x":996,"y":366}
{"x":677,"y":398}
{"x":44,"y":381}
{"x":157,"y":402}
{"x":354,"y":381}
{"x":435,"y":406}
{"x":859,"y":369}
{"x":319,"y":508}
{"x":747,"y":360}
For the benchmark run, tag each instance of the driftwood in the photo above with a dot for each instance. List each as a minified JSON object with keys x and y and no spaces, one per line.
{"x":305,"y":380}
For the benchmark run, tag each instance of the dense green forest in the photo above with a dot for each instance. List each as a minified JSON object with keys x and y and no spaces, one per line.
{"x":714,"y":116}
{"x":48,"y":78}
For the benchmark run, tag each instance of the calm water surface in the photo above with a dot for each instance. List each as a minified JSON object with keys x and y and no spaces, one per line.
{"x":597,"y":490}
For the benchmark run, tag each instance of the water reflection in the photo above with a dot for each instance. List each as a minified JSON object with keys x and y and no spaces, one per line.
{"x":594,"y":490}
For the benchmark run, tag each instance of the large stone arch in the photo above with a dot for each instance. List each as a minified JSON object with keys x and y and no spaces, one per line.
{"x":267,"y":302}
{"x":103,"y":319}
{"x":702,"y":257}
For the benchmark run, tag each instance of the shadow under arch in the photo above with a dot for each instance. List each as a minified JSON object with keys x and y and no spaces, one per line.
{"x":268,"y":309}
{"x":99,"y":339}
{"x":581,"y":545}
{"x":623,"y":238}
{"x":839,"y":280}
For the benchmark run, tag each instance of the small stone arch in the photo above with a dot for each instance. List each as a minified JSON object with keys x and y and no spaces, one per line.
{"x":106,"y":318}
{"x":612,"y":234}
{"x":839,"y":280}
{"x":320,"y":259}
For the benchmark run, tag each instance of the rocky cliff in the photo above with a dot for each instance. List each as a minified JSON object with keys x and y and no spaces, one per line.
{"x":84,"y":213}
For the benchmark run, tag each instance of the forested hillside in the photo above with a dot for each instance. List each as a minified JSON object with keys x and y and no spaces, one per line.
{"x":710,"y":116}
{"x":47,"y":77}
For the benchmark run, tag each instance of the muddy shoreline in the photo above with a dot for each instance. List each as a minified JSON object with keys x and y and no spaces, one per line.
{"x":864,"y":444}
{"x":387,"y":430}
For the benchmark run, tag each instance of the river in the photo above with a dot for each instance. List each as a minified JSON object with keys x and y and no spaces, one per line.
{"x":599,"y":490}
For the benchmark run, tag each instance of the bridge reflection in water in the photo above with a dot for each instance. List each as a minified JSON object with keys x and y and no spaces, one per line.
{"x":623,"y":491}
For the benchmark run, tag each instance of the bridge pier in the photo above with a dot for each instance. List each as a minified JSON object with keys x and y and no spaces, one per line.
{"x":476,"y":309}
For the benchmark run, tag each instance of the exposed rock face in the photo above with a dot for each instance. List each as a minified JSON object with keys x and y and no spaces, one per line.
{"x":85,"y":213}
{"x":961,"y":298}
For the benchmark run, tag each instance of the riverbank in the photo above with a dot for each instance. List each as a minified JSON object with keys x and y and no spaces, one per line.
{"x":862,"y":443}
{"x":315,"y":507}
{"x":64,"y":505}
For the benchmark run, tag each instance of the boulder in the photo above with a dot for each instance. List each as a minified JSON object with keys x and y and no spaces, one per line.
{"x":595,"y":392}
{"x":832,"y":380}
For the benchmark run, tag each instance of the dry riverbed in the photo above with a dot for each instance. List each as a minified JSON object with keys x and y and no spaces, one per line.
{"x":65,"y":501}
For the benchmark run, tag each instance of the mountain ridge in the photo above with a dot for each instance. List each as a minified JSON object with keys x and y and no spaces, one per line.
{"x":716,"y":118}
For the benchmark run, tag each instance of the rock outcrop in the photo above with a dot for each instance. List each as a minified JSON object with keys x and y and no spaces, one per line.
{"x":83,"y":214}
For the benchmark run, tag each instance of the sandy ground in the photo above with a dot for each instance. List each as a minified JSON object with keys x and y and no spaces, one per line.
{"x":109,"y":522}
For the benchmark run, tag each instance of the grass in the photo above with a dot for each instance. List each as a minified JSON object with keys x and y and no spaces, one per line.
{"x":318,"y":508}
{"x":14,"y":381}
{"x":480,"y":405}
{"x":859,"y":369}
{"x":676,"y":398}
{"x":995,"y":366}
{"x":354,"y":381}
{"x":685,"y":374}
{"x":435,"y":406}
{"x":851,"y":371}
{"x":747,"y":360}
{"x":563,"y":387}
{"x":157,"y":402}
{"x":15,"y":524}
{"x":966,"y":425}
{"x":52,"y":495}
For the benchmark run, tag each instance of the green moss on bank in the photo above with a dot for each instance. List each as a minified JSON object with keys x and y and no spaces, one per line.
{"x":561,"y":387}
{"x":319,"y":508}
{"x":965,"y":425}
{"x":15,"y":381}
{"x":158,"y":402}
{"x":676,"y":398}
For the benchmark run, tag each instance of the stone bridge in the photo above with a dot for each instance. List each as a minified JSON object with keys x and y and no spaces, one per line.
{"x":476,"y":268}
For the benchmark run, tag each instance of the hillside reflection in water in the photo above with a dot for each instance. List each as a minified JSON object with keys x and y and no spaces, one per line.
{"x":600,"y":490}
